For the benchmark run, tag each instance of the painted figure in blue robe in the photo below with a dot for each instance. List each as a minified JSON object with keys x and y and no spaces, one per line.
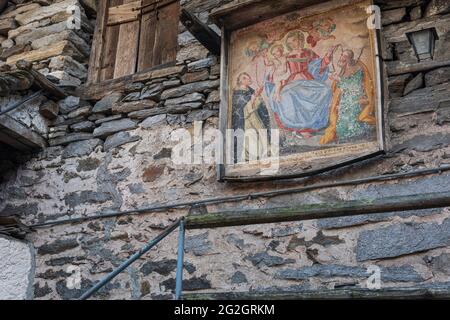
{"x":297,"y":89}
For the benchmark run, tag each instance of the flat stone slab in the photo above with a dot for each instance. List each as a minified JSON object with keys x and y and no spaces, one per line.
{"x":109,"y":128}
{"x":401,"y":239}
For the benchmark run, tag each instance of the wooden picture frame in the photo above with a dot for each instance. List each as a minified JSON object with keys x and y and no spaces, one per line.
{"x":316,"y":153}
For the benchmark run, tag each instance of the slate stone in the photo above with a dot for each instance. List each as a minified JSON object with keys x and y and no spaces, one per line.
{"x":352,"y":221}
{"x":81,"y":148}
{"x":193,"y":284}
{"x":153,"y":121}
{"x":165,"y":153}
{"x":85,"y":126}
{"x":119,"y":139}
{"x":23,"y":210}
{"x":189,"y":88}
{"x":40,"y":292}
{"x":143,"y":114}
{"x":192,"y":97}
{"x":163,"y":267}
{"x":213,"y":97}
{"x":443,"y":113}
{"x":201,"y":64}
{"x":107,"y":119}
{"x":79,"y":112}
{"x":437,"y":7}
{"x":388,"y":274}
{"x":68,"y":104}
{"x":189,"y":267}
{"x":324,"y":240}
{"x":195,"y":76}
{"x":238,"y":278}
{"x":424,"y":99}
{"x":58,"y":246}
{"x":111,"y":127}
{"x":441,"y":263}
{"x":201,"y":115}
{"x":176,"y":119}
{"x":51,"y":274}
{"x":89,"y":164}
{"x":199,"y":245}
{"x":393,"y":16}
{"x":437,"y":76}
{"x":86,"y":197}
{"x":414,"y":84}
{"x":126,"y":107}
{"x":264,"y":259}
{"x":135,"y":86}
{"x":59,"y":262}
{"x":416,"y":13}
{"x":182,"y":108}
{"x":69,"y":138}
{"x":397,"y":84}
{"x":436,"y":183}
{"x":136,"y":188}
{"x":106,"y":103}
{"x":401,"y":239}
{"x":425,"y":143}
{"x":152,"y":92}
{"x":133,"y":96}
{"x":171,"y":83}
{"x":236,"y":241}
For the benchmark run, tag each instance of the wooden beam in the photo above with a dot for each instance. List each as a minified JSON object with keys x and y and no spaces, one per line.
{"x":98,"y":43}
{"x":396,"y":68}
{"x":10,"y":140}
{"x":318,"y":211}
{"x":204,"y":34}
{"x":241,"y":13}
{"x":21,"y":133}
{"x":96,"y":91}
{"x":12,"y":81}
{"x":41,"y":80}
{"x":127,"y":12}
{"x":438,"y":292}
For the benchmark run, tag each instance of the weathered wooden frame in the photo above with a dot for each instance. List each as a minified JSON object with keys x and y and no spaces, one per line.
{"x":229,"y":18}
{"x":95,"y":88}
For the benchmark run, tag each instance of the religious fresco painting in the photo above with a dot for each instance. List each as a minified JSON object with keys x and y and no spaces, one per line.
{"x":312,"y":76}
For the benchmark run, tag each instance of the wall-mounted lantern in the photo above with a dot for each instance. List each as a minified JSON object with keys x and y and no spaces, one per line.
{"x":423,"y":42}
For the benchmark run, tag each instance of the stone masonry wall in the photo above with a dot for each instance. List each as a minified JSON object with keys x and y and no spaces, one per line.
{"x":115,"y":154}
{"x":41,"y":32}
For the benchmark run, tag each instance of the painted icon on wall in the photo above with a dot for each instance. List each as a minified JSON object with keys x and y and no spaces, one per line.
{"x":307,"y":82}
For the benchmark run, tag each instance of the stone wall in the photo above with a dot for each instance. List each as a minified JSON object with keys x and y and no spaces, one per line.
{"x":42,"y":32}
{"x":115,"y":154}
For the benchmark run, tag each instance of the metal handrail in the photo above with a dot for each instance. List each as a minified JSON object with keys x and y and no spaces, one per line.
{"x":248,"y":196}
{"x":179,"y":277}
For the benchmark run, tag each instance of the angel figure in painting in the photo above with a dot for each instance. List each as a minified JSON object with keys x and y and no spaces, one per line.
{"x":280,"y":71}
{"x":352,"y":114}
{"x":319,"y":30}
{"x":258,"y":50}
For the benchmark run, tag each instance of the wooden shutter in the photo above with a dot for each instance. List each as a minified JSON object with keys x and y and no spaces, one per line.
{"x":132,"y":36}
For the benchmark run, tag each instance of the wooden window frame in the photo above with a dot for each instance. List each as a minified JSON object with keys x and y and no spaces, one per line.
{"x":98,"y":45}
